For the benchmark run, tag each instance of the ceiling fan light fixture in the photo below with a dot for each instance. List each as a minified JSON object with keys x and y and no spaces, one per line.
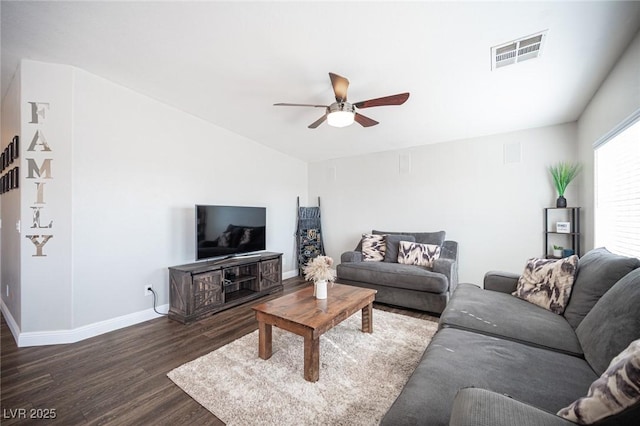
{"x":340,"y":118}
{"x":341,"y":114}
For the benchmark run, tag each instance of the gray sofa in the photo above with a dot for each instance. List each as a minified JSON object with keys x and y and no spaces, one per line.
{"x":499,"y":360}
{"x":409,"y":286}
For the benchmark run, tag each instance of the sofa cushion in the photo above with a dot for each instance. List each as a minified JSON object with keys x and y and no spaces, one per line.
{"x":613,"y":323}
{"x":598,"y":271}
{"x":547,"y":283}
{"x":436,"y":238}
{"x":373,"y":248}
{"x":394,"y":275}
{"x":418,"y":254}
{"x":456,"y":359}
{"x":617,"y":389}
{"x":502,"y":315}
{"x":480,"y":407}
{"x":392,"y":244}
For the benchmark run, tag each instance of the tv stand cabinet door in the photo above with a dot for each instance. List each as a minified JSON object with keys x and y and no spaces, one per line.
{"x":180,"y":284}
{"x":270,"y":273}
{"x":207,"y":291}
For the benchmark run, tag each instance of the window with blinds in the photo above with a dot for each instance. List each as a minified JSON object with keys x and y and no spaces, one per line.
{"x":617,"y":191}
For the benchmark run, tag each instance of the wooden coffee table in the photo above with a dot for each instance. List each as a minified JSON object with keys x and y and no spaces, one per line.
{"x":301,"y":313}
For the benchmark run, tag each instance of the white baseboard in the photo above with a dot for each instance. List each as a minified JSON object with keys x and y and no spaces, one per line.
{"x":289,"y":274}
{"x":58,"y":337}
{"x":11,"y":322}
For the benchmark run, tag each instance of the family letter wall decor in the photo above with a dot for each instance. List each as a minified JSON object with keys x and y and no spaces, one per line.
{"x":39,"y":171}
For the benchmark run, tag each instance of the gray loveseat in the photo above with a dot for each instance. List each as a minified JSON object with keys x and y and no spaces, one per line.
{"x":410,"y":286}
{"x":499,"y":360}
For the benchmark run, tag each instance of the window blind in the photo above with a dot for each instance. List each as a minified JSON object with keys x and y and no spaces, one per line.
{"x":617,"y":192}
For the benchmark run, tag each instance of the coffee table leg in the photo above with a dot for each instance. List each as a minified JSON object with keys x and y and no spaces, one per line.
{"x":264,"y":340}
{"x":367,"y":318}
{"x":311,"y":359}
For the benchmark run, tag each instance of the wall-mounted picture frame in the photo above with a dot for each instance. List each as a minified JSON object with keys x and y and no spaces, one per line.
{"x":16,"y":146}
{"x":10,"y":180}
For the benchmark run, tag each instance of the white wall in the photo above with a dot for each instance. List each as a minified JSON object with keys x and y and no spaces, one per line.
{"x":617,"y":98}
{"x":46,"y":280}
{"x":493,"y":209}
{"x":127,"y":172}
{"x":10,"y":214}
{"x":139,"y":168}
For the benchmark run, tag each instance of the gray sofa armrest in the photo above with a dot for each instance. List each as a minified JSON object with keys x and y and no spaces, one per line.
{"x":480,"y":407}
{"x":447,"y":264}
{"x":448,"y":268}
{"x":504,"y":282}
{"x":351,"y":256}
{"x":449,"y":250}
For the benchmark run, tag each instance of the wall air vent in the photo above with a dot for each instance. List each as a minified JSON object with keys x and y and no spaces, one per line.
{"x":520,"y":50}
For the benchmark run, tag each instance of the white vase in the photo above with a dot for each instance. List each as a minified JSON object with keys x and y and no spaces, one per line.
{"x":320,"y":289}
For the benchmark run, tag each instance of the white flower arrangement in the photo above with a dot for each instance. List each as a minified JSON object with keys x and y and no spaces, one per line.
{"x":319,"y":269}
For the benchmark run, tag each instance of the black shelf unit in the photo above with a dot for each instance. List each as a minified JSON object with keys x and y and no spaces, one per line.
{"x":552,"y":215}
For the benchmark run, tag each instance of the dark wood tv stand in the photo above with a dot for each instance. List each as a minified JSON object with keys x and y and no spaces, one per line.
{"x":200,"y":289}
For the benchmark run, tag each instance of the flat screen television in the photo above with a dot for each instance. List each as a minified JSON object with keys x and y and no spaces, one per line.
{"x":225,"y":231}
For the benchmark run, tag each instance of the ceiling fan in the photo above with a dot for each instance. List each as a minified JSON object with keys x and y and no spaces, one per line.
{"x":342,"y":113}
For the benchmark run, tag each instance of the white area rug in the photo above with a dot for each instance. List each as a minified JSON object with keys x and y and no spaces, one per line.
{"x":361,"y":374}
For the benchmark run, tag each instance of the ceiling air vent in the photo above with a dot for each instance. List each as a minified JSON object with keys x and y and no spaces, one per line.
{"x":512,"y":52}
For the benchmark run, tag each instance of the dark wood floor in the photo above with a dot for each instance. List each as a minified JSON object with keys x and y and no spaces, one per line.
{"x":120,"y":377}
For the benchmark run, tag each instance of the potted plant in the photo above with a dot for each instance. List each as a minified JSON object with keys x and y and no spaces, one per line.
{"x":557,"y":251}
{"x":563,"y":173}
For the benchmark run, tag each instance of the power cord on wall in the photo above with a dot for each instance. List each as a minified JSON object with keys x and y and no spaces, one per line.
{"x":154,"y":302}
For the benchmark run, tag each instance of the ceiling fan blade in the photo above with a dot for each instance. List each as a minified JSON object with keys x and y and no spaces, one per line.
{"x":302,"y":105}
{"x":398,"y":99}
{"x":318,"y":122}
{"x":364,"y":121}
{"x":340,"y":86}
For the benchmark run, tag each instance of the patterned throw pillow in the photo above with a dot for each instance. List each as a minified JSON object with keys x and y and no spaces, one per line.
{"x":373,"y":248}
{"x":617,"y":389}
{"x":392,"y":243}
{"x":418,"y":254}
{"x":548,"y":282}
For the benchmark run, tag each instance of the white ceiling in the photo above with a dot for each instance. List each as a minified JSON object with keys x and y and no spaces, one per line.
{"x":228,"y":62}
